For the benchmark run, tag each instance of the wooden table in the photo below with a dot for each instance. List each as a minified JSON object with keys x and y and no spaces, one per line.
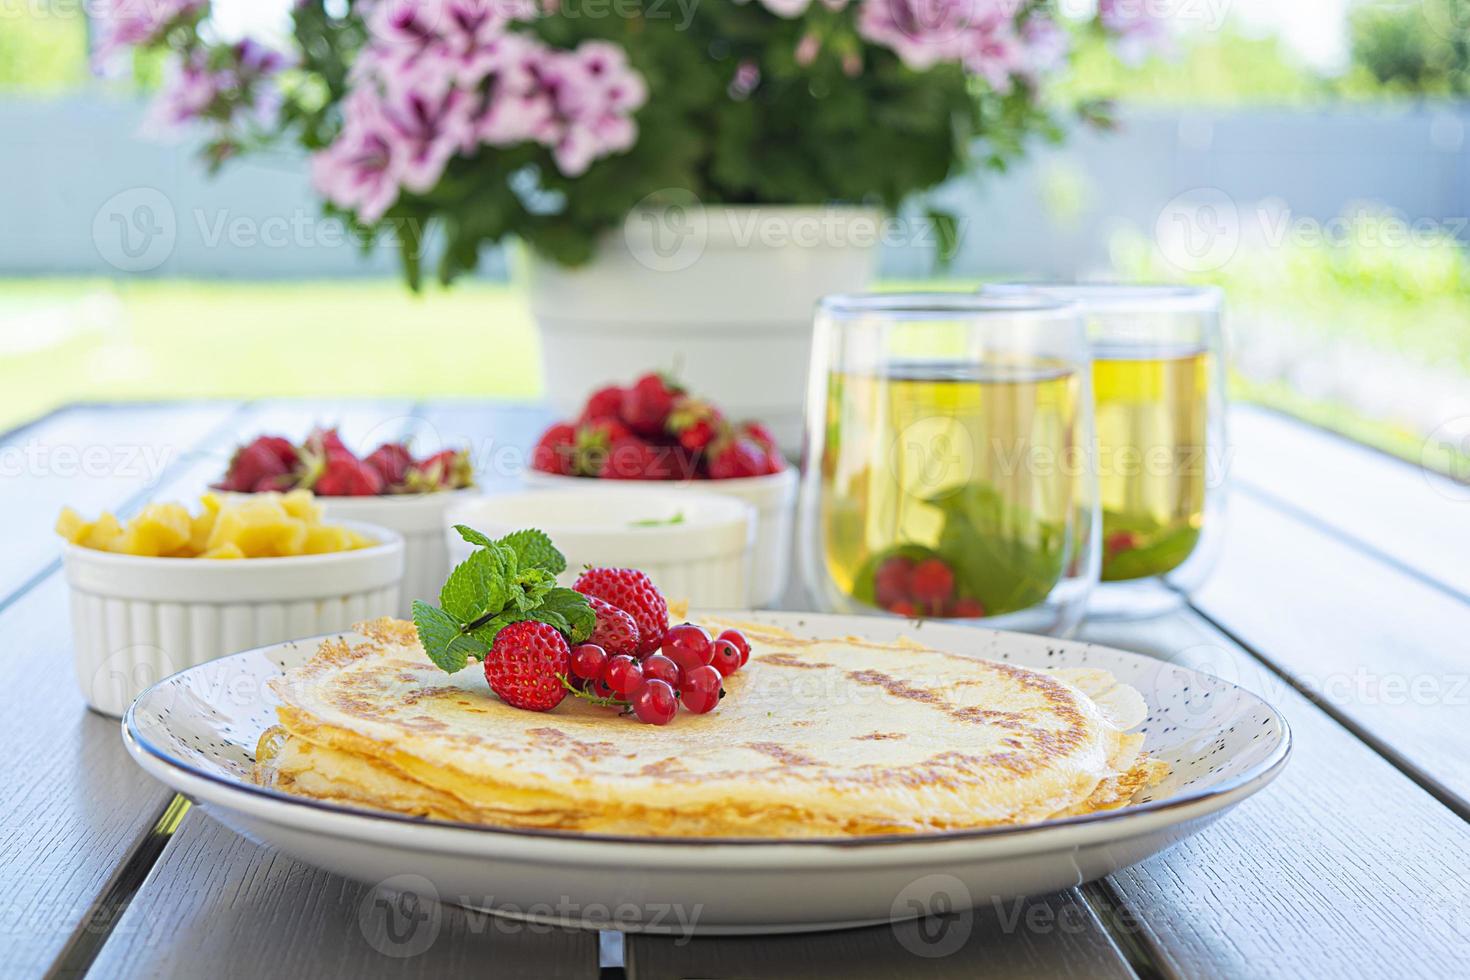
{"x":1343,"y":596}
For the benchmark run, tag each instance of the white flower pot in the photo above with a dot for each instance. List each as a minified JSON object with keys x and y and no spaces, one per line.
{"x":722,"y":295}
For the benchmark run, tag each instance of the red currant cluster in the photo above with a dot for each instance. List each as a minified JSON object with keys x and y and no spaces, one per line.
{"x":688,"y":669}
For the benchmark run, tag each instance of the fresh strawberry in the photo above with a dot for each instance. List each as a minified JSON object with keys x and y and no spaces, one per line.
{"x":695,"y":423}
{"x":555,"y":451}
{"x":592,"y":444}
{"x":344,"y":475}
{"x":646,"y":405}
{"x":630,"y":458}
{"x":281,"y":446}
{"x":615,"y":631}
{"x":762,"y":437}
{"x":604,"y":403}
{"x":323,"y":442}
{"x":391,"y":460}
{"x":738,"y":457}
{"x":633,"y":592}
{"x":526,"y":663}
{"x":447,"y":470}
{"x":251,"y":465}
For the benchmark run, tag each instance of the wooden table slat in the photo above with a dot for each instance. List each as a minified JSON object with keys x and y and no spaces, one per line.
{"x":1414,"y":516}
{"x":1341,"y":867}
{"x":1386,"y":651}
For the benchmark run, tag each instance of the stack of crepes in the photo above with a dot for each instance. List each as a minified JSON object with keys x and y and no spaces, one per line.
{"x":831,"y":737}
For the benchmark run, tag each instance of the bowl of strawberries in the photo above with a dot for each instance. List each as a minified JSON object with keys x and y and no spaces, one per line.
{"x":388,"y":486}
{"x":655,"y":433}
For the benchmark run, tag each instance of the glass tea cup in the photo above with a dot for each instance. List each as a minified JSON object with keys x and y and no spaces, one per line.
{"x":1158,"y":379}
{"x":948,"y":467}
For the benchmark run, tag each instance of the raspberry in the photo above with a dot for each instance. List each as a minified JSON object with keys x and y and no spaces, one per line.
{"x":893,"y":580}
{"x":932,"y":582}
{"x":615,"y":631}
{"x":633,"y":592}
{"x":525,"y":663}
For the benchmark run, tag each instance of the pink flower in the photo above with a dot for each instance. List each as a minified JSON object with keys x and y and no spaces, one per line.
{"x":922,"y":33}
{"x":132,"y":23}
{"x":359,"y":171}
{"x":244,"y":90}
{"x":1137,"y":30}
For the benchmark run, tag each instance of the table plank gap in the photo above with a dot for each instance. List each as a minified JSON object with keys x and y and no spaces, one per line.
{"x":1424,"y":780}
{"x":97,"y":923}
{"x":1111,"y":911}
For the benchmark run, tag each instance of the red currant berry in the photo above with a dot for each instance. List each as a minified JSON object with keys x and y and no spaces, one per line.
{"x":903,"y":608}
{"x":726,"y":657}
{"x":588,"y":659}
{"x":654,"y":702}
{"x":622,"y":675}
{"x":659,"y":667}
{"x":741,"y":643}
{"x":701,"y":689}
{"x":687,"y":645}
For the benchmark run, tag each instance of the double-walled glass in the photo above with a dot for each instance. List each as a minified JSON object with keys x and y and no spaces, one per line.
{"x":948,"y":468}
{"x":1158,"y":377}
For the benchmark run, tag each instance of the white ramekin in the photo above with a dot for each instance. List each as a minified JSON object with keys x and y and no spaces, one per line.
{"x":774,"y":500}
{"x":419,"y":518}
{"x":137,"y":620}
{"x":706,"y":558}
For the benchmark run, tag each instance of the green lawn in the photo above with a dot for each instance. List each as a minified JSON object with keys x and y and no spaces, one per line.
{"x":63,"y":340}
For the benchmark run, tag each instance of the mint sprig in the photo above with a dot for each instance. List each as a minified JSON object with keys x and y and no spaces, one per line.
{"x":502,"y":582}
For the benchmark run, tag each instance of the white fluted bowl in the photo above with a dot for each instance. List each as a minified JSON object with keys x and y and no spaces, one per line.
{"x":705,"y":558}
{"x":774,"y":500}
{"x":136,"y":620}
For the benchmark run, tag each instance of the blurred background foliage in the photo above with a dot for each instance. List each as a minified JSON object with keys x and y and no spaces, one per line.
{"x":1298,"y":304}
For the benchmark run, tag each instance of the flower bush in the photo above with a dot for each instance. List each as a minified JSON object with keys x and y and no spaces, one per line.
{"x":549,"y":120}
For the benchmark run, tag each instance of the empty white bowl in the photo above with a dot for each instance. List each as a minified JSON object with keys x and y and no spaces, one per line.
{"x":705,"y":557}
{"x":136,"y":620}
{"x":774,"y":500}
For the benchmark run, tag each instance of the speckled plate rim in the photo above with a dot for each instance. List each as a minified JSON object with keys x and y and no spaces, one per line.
{"x":1123,"y":822}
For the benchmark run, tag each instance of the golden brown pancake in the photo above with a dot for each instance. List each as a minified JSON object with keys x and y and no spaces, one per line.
{"x":817,"y":738}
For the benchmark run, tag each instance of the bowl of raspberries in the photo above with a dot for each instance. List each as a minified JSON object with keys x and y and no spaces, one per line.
{"x":389,"y":486}
{"x":656,"y":433}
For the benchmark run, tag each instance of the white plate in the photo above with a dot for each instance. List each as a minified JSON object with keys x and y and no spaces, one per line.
{"x":196,"y":731}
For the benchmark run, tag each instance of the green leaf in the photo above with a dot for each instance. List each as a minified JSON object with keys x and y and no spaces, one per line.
{"x":442,"y":639}
{"x":486,"y":633}
{"x":569,"y":612}
{"x":947,"y":229}
{"x":534,"y":550}
{"x":473,"y":537}
{"x":532,"y":585}
{"x":678,"y":518}
{"x":481,"y":585}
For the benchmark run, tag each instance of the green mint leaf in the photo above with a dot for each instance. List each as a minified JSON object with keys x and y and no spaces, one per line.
{"x":473,"y":537}
{"x":481,"y":585}
{"x":487,"y":631}
{"x":678,"y":518}
{"x":534,"y":550}
{"x":569,"y":612}
{"x":440,"y":635}
{"x":533,"y":584}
